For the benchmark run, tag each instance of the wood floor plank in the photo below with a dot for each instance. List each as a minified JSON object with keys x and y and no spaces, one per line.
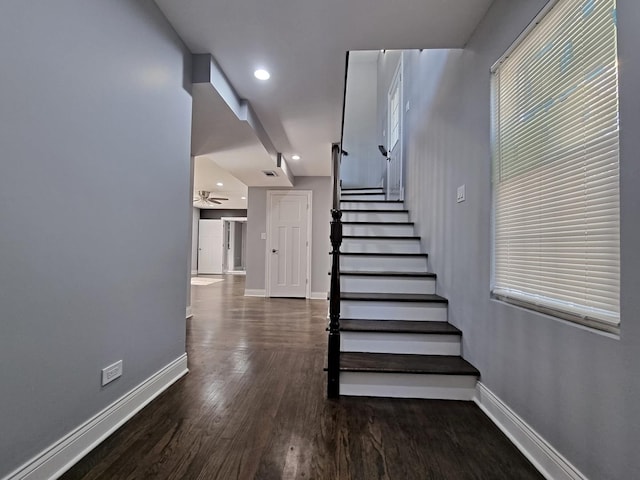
{"x":254,"y":407}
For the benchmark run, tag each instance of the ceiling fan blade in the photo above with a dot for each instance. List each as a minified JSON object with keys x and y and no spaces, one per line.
{"x":217,"y":198}
{"x":215,"y":201}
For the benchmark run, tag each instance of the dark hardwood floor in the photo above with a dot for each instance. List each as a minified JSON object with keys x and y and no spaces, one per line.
{"x":253,"y":407}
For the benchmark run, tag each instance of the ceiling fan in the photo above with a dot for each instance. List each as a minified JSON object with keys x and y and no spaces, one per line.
{"x":204,"y":200}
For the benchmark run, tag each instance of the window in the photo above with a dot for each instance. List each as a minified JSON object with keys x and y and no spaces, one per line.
{"x":555,"y":166}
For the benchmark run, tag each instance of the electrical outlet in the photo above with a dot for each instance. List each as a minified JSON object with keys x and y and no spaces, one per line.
{"x":110,"y":373}
{"x":263,"y":236}
{"x":461,"y":194}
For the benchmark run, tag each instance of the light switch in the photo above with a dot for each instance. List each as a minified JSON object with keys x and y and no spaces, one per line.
{"x":461,"y":194}
{"x":263,"y":236}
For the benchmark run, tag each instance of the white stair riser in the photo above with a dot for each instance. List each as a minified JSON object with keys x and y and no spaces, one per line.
{"x":364,"y":190}
{"x":375,"y":217}
{"x":372,"y":310}
{"x":384,"y":230}
{"x":379,"y":245}
{"x":365,"y":263}
{"x":408,"y":385}
{"x":412,"y":343}
{"x":359,"y":284}
{"x":348,"y":205}
{"x":349,"y":198}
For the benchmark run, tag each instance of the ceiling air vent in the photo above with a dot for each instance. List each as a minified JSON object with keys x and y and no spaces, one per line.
{"x":269,"y":173}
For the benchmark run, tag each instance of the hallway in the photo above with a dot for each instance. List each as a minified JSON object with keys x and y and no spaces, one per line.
{"x":254,"y":406}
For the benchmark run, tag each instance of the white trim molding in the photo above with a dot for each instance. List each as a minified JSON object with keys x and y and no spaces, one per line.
{"x":52,"y":462}
{"x":319,"y":295}
{"x":189,"y":312}
{"x":194,"y":273}
{"x":250,"y":292}
{"x":549,"y":462}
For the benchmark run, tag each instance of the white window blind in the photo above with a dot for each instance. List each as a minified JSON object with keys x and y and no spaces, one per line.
{"x":555,"y":175}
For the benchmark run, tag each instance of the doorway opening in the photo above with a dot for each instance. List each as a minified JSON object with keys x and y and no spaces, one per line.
{"x":234,"y":245}
{"x":395,"y":186}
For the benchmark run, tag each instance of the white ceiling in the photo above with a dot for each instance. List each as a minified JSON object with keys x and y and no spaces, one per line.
{"x":303,"y":44}
{"x":231,"y":142}
{"x":207,"y":174}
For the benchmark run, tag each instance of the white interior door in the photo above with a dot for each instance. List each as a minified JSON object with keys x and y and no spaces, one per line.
{"x":288,"y":243}
{"x":394,"y":147}
{"x":210,"y":247}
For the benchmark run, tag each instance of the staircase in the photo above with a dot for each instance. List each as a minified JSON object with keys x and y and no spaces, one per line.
{"x":395,"y":340}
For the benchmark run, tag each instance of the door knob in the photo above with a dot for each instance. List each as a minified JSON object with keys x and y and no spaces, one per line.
{"x":273,"y":250}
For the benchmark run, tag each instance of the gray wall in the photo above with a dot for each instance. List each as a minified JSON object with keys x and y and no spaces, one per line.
{"x":96,"y":126}
{"x":364,"y":166}
{"x":257,"y":224}
{"x":577,"y":388}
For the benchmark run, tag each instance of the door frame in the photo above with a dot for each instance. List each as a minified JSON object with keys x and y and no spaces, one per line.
{"x":267,"y":279}
{"x":398,"y":78}
{"x":225,"y":224}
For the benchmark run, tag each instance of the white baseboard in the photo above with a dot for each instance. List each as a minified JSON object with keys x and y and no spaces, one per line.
{"x":318,"y":295}
{"x":52,"y":462}
{"x":194,"y":273}
{"x":549,"y":462}
{"x":254,"y":293}
{"x":189,"y":312}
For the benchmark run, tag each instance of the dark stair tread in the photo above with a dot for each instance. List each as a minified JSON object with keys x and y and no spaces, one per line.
{"x":361,"y":193}
{"x":342,"y":200}
{"x":388,"y":274}
{"x":377,"y":223}
{"x":381,"y":254}
{"x":373,"y":201}
{"x":403,"y":363}
{"x":394,"y":297}
{"x":398,"y":326}
{"x":361,"y":188}
{"x":380,"y":237}
{"x":377,"y":210}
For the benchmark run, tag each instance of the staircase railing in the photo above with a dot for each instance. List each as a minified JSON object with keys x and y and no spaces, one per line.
{"x":333,"y":356}
{"x":333,"y":379}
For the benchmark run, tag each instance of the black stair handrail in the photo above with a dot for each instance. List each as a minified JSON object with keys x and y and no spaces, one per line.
{"x":333,"y":355}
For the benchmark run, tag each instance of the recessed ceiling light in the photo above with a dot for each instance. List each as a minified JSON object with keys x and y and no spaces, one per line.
{"x":220,"y":184}
{"x":243,"y":198}
{"x":295,"y":157}
{"x":261,"y":74}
